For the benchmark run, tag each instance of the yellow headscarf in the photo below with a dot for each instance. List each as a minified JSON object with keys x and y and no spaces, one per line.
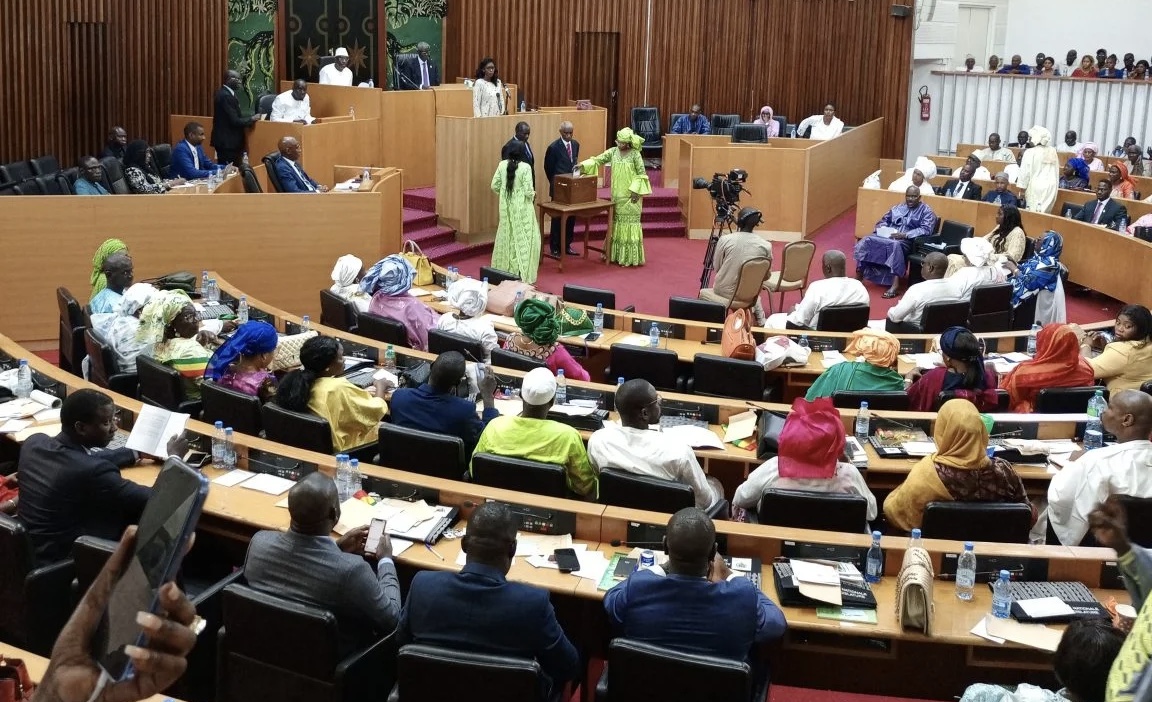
{"x":627,"y":135}
{"x":879,"y":348}
{"x":961,"y":437}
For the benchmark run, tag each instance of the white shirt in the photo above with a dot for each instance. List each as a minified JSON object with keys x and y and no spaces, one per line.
{"x":1120,"y":469}
{"x":821,"y":131}
{"x":986,"y":154}
{"x":847,"y":480}
{"x":286,"y":108}
{"x":826,"y":293}
{"x":330,"y":75}
{"x":651,"y":453}
{"x":473,"y":328}
{"x":1097,"y":165}
{"x":968,"y":277}
{"x":911,"y":307}
{"x":1065,"y":149}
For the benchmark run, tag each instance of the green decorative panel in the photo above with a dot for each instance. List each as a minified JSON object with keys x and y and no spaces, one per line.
{"x":251,"y":28}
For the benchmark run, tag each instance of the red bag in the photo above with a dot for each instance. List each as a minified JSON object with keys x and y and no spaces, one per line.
{"x":15,"y":683}
{"x":737,"y":340}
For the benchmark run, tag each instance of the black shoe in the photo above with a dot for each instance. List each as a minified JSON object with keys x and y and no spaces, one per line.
{"x":570,"y":252}
{"x":555,"y":253}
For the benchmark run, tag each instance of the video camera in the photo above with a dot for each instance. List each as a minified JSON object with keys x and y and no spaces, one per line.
{"x":725,"y":189}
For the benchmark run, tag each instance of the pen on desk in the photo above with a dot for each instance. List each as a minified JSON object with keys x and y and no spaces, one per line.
{"x":434,"y":553}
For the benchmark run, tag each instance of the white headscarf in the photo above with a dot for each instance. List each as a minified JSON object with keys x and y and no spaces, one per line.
{"x":977,"y":250}
{"x":923,"y":164}
{"x":346,"y":269}
{"x":134,"y":299}
{"x":469,"y":296}
{"x":1039,"y":136}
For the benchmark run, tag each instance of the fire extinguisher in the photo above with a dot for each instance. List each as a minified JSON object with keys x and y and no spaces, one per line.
{"x":925,"y":104}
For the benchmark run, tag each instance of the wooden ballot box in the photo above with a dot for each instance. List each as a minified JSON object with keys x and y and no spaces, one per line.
{"x":574,"y":190}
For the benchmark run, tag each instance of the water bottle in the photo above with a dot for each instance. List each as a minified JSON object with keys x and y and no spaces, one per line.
{"x":792,"y":132}
{"x":874,"y":568}
{"x":389,"y":358}
{"x":485,"y":281}
{"x":352,"y":111}
{"x":966,"y":572}
{"x":804,"y":341}
{"x":1094,"y":432}
{"x":244,"y":160}
{"x":23,"y":380}
{"x":213,"y":291}
{"x":343,"y":485}
{"x":1002,"y":597}
{"x":523,"y":106}
{"x":598,"y":319}
{"x":619,"y":381}
{"x":242,"y":310}
{"x":305,"y":323}
{"x":218,"y":446}
{"x":366,"y":176}
{"x":204,"y":284}
{"x":561,"y":387}
{"x":229,"y":450}
{"x":1032,"y":338}
{"x":654,"y":336}
{"x":355,"y":478}
{"x":915,"y":541}
{"x":1122,"y":225}
{"x":862,"y":420}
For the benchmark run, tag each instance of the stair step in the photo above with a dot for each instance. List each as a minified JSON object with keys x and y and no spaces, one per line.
{"x":431,"y":236}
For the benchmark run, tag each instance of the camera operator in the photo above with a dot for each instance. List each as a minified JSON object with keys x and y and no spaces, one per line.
{"x":732,"y":250}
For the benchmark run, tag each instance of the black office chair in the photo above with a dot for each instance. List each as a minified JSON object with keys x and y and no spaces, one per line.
{"x":238,"y":410}
{"x":382,"y":329}
{"x":723,"y":125}
{"x":264,"y":104}
{"x":423,"y":452}
{"x":641,"y":671}
{"x":1139,"y":511}
{"x":16,"y":172}
{"x":938,"y":316}
{"x":1003,"y":400}
{"x":783,"y":122}
{"x":432,"y":674}
{"x":518,"y":361}
{"x":892,"y":400}
{"x":336,"y":312}
{"x":44,"y":165}
{"x":50,"y":185}
{"x":269,"y":161}
{"x":999,"y":522}
{"x":251,"y":182}
{"x":646,"y":123}
{"x":697,"y":310}
{"x":70,"y":175}
{"x":804,"y":509}
{"x":840,"y":318}
{"x":623,"y":489}
{"x":102,"y":368}
{"x":440,"y":341}
{"x":1065,"y":400}
{"x":748,"y":133}
{"x":114,"y":176}
{"x":719,"y":376}
{"x":37,"y":601}
{"x":277,"y":649}
{"x":584,"y":295}
{"x":1070,"y":210}
{"x":657,"y":366}
{"x":496,"y":276}
{"x":947,"y":242}
{"x":519,"y":474}
{"x":72,"y":325}
{"x":162,"y":154}
{"x":990,"y":309}
{"x":306,"y":431}
{"x":162,"y":386}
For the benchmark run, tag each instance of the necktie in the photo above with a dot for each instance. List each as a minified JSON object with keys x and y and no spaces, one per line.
{"x":568,"y":145}
{"x":1099,"y":209}
{"x":424,"y":74}
{"x":195,"y":157}
{"x":960,"y":188}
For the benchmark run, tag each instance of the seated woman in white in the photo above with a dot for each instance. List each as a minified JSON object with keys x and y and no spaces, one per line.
{"x":470,"y":298}
{"x":825,"y":126}
{"x":346,"y":281}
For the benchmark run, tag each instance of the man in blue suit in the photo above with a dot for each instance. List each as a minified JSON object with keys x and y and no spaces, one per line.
{"x":700,"y":606}
{"x":188,"y":158}
{"x":478,"y":610}
{"x":292,"y":177}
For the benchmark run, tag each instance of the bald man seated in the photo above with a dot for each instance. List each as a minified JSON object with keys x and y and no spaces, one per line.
{"x":305,"y":564}
{"x":835,"y":289}
{"x":1124,"y":468}
{"x":119,"y":272}
{"x":633,"y":447}
{"x":292,"y":177}
{"x":906,"y":316}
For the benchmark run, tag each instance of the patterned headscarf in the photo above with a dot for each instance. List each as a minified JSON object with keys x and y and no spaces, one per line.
{"x":392,"y":275}
{"x":469,"y":296}
{"x":879,"y":348}
{"x":159,"y":313}
{"x":627,"y":135}
{"x":249,"y":339}
{"x":109,"y":247}
{"x":346,"y":269}
{"x":537,"y":321}
{"x":135,"y":298}
{"x":1080,"y":167}
{"x":1039,"y":272}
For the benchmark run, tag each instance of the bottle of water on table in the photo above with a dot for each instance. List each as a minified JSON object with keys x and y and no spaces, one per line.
{"x":598,"y":319}
{"x":1094,"y":432}
{"x":1002,"y":596}
{"x":242,"y":310}
{"x":654,"y":336}
{"x":204,"y":285}
{"x":966,"y":572}
{"x":874,"y":563}
{"x":915,"y":541}
{"x":23,"y":380}
{"x":229,"y":450}
{"x":863,"y":418}
{"x":343,"y":484}
{"x":355,"y":478}
{"x":561,"y":387}
{"x":218,"y":446}
{"x":305,"y":323}
{"x":389,"y":358}
{"x":1032,"y":338}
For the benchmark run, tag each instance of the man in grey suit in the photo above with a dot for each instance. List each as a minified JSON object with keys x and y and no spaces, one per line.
{"x":306,"y":565}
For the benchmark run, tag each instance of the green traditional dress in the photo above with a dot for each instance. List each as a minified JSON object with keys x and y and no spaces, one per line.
{"x":628,"y":177}
{"x":517,"y":247}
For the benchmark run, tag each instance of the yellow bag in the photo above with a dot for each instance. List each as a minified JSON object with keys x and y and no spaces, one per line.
{"x":419,"y":261}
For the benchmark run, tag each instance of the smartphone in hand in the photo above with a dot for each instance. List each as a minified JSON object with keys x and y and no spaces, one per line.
{"x":375,"y":536}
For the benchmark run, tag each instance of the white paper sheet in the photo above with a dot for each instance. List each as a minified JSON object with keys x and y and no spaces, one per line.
{"x":1044,"y":607}
{"x":232,"y":477}
{"x":696,"y":437}
{"x":918,"y":448}
{"x":831,"y":357}
{"x":52,"y":414}
{"x":419,"y":292}
{"x":740,"y":426}
{"x":815,"y":573}
{"x":271,"y":484}
{"x":572,"y":410}
{"x":981,"y":630}
{"x":153,"y":428}
{"x":14,"y":425}
{"x":633,"y":340}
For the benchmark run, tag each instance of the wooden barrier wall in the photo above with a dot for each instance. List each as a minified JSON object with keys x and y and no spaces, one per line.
{"x":836,"y":168}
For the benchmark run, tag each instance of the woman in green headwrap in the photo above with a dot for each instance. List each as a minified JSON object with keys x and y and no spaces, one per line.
{"x":539,"y":329}
{"x":109,"y":247}
{"x":629,"y":184}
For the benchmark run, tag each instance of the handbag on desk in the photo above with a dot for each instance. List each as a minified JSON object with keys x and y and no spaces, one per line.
{"x":15,"y":683}
{"x":411,"y":251}
{"x":737,"y":340}
{"x":914,"y":592}
{"x":502,"y":298}
{"x":288,"y":351}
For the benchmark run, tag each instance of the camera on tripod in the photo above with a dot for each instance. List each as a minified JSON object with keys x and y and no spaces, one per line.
{"x":725,"y":189}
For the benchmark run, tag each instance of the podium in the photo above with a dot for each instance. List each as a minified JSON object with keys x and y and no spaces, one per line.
{"x":326,"y":143}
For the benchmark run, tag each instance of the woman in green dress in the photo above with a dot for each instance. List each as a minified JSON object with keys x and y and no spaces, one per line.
{"x":629,"y":184}
{"x":517,"y":246}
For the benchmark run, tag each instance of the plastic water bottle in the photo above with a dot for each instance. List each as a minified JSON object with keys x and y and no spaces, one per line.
{"x":213,"y":291}
{"x":244,"y":160}
{"x":874,"y":564}
{"x":305,"y":323}
{"x":343,"y":485}
{"x":561,"y":387}
{"x":915,"y":541}
{"x":204,"y":284}
{"x":355,"y":478}
{"x":366,"y":176}
{"x":792,"y":132}
{"x":863,"y":418}
{"x":598,"y":319}
{"x":966,"y":572}
{"x":1002,"y":596}
{"x":1122,"y":225}
{"x":23,"y":380}
{"x":804,"y":341}
{"x":389,"y":358}
{"x":485,"y":281}
{"x":1032,"y":338}
{"x":654,"y":336}
{"x":523,"y":106}
{"x":242,"y":310}
{"x":1094,"y":432}
{"x":619,"y":381}
{"x":218,"y":440}
{"x":229,"y":450}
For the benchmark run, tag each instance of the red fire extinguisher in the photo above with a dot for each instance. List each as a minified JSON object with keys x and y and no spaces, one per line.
{"x":925,"y":104}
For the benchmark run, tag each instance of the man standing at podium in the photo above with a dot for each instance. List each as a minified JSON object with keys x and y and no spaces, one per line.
{"x":422,"y":73}
{"x":561,"y":159}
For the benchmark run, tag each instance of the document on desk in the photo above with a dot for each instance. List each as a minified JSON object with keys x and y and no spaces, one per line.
{"x":981,"y":630}
{"x":232,"y":477}
{"x":572,"y":410}
{"x":1045,"y":608}
{"x":831,"y":357}
{"x":918,"y":448}
{"x":633,"y":340}
{"x":696,"y":437}
{"x":927,"y":361}
{"x":14,"y":425}
{"x":740,"y":426}
{"x":1034,"y":635}
{"x":419,"y":292}
{"x":270,"y":484}
{"x":542,"y":544}
{"x":153,"y":428}
{"x":48,"y":429}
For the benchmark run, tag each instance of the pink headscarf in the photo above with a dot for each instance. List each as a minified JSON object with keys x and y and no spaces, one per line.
{"x":811,"y":441}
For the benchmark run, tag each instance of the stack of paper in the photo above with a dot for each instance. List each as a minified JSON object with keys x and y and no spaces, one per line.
{"x":831,"y":357}
{"x":696,"y":437}
{"x":740,"y":426}
{"x":927,"y":361}
{"x":817,"y":581}
{"x":633,"y":340}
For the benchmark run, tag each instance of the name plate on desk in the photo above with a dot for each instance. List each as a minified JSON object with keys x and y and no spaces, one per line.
{"x":574,"y":190}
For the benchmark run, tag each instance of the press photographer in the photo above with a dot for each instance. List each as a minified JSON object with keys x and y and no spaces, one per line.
{"x":725,"y":191}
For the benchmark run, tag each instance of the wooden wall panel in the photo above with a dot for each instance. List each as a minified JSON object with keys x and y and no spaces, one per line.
{"x":732,"y":56}
{"x":77,"y":67}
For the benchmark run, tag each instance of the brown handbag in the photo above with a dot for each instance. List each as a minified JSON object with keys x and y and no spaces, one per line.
{"x":737,"y":340}
{"x":502,"y":298}
{"x":15,"y":683}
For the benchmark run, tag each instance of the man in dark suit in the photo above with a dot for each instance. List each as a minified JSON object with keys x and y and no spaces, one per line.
{"x":561,"y":159}
{"x":478,"y":610}
{"x":421,"y":73}
{"x":228,"y":125}
{"x":70,"y":486}
{"x":699,"y":605}
{"x":963,"y":187}
{"x":523,"y":131}
{"x":188,"y":158}
{"x":292,"y":177}
{"x":117,"y":141}
{"x":1103,"y":211}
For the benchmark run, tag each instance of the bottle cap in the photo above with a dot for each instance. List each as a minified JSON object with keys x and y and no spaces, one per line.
{"x":968,"y":546}
{"x":227,"y":430}
{"x":875,"y":535}
{"x":1005,"y":575}
{"x":915,"y":533}
{"x":219,"y":425}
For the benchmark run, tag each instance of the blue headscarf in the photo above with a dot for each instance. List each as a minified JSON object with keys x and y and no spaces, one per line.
{"x":953,"y":381}
{"x":1039,"y":272}
{"x":392,"y":275}
{"x":1080,"y":167}
{"x":249,"y":339}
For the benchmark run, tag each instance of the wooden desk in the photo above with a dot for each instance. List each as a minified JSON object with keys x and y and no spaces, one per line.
{"x":38,"y":666}
{"x":585,"y":211}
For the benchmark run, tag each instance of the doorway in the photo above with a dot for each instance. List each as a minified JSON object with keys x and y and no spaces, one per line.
{"x":973,"y":34}
{"x":594,"y":72}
